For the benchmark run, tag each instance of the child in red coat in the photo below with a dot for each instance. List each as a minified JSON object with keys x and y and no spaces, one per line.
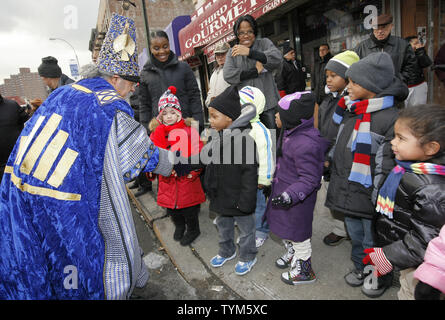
{"x":181,"y":196}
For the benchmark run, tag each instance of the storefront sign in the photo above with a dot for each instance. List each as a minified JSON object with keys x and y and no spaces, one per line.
{"x":217,"y":20}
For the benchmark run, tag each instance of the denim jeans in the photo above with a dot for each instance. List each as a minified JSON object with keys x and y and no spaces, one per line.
{"x":262,"y":229}
{"x":361,"y":238}
{"x":226,"y":230}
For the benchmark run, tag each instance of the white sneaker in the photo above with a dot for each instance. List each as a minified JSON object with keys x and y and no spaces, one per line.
{"x":285,"y":260}
{"x":259,"y":241}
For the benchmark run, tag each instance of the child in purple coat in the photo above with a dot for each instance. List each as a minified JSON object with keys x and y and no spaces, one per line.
{"x":290,"y":210}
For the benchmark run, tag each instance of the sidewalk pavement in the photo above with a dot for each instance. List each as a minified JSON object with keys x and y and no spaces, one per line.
{"x":263,"y":281}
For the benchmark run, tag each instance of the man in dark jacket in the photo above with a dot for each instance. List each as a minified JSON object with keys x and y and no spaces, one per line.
{"x":52,"y":75}
{"x":12,"y":118}
{"x":318,"y":75}
{"x":419,"y":88}
{"x":381,"y":40}
{"x":292,"y":77}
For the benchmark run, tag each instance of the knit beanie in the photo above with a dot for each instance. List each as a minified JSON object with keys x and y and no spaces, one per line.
{"x":341,"y":62}
{"x":292,"y":109}
{"x":169,"y":99}
{"x":295,"y":107}
{"x":254,"y":96}
{"x":375,"y":72}
{"x":287,"y":48}
{"x":49,"y":68}
{"x":228,"y":102}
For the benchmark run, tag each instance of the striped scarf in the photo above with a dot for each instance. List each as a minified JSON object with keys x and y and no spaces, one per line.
{"x":361,"y":138}
{"x":387,"y":194}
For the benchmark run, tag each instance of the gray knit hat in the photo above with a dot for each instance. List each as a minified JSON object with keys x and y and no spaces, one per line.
{"x":375,"y":72}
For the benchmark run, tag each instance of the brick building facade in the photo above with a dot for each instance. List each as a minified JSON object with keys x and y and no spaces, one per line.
{"x":25,"y":84}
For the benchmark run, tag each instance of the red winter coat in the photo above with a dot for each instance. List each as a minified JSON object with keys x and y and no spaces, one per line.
{"x":179,"y":192}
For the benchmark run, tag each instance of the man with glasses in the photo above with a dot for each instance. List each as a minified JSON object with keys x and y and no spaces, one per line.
{"x":381,"y":40}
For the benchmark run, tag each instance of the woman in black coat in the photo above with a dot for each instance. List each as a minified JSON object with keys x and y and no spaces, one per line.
{"x":163,"y":69}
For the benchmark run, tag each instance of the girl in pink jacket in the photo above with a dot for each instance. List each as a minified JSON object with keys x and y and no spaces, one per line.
{"x":431,"y":273}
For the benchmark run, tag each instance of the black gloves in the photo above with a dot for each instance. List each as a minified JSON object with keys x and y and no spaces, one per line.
{"x":283,"y":200}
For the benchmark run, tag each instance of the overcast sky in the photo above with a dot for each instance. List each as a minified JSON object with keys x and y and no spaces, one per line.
{"x":27,"y":25}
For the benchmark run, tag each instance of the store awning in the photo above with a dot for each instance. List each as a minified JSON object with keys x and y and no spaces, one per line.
{"x":214,"y":21}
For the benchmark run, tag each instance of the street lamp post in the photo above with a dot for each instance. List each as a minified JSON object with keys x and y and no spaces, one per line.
{"x":77,"y":59}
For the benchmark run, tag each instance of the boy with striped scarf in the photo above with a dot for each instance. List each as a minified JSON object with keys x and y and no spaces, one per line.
{"x":362,"y":153}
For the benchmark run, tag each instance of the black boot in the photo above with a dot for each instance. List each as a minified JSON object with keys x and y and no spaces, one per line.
{"x":134,"y":185}
{"x":179,"y":222}
{"x":145,"y":185}
{"x":142,"y":190}
{"x":192,"y":226}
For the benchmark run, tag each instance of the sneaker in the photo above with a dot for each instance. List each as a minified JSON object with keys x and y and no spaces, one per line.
{"x":333,"y":240}
{"x":238,"y":240}
{"x":259,"y":241}
{"x":142,"y":190}
{"x":300,"y":273}
{"x":217,"y":261}
{"x":383,"y":283}
{"x":242,"y":268}
{"x":355,"y":278}
{"x":214,"y":221}
{"x":285,"y":260}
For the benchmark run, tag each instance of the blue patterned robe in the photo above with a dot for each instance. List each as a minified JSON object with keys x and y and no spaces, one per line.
{"x":66,"y":229}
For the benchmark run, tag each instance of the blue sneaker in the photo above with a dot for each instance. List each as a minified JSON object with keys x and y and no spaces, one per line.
{"x":217,"y":261}
{"x":244,"y":267}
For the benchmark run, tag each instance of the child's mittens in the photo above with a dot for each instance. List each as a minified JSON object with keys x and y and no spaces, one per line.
{"x":283,"y":200}
{"x":377,"y":258}
{"x":194,"y":174}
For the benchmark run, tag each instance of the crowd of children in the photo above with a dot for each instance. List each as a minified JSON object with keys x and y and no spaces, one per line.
{"x":383,"y":166}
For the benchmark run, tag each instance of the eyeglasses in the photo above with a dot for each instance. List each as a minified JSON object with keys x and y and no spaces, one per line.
{"x":247,"y":33}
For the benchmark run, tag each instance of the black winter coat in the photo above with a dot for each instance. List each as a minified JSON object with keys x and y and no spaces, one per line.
{"x":401,"y":52}
{"x":12,"y":118}
{"x":352,"y":198}
{"x":64,"y":80}
{"x":318,"y":78}
{"x":134,"y":102}
{"x":423,"y":61}
{"x":232,"y":188}
{"x":419,"y":214}
{"x":155,"y":81}
{"x":326,"y":125}
{"x":291,"y":79}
